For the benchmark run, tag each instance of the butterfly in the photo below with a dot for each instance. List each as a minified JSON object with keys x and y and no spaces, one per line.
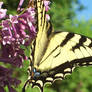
{"x":55,"y":54}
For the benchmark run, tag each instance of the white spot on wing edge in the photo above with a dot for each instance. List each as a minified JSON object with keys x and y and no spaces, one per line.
{"x":57,"y":79}
{"x":40,"y":82}
{"x":90,"y":62}
{"x":84,"y":63}
{"x":59,"y":75}
{"x":49,"y":79}
{"x":67,"y":69}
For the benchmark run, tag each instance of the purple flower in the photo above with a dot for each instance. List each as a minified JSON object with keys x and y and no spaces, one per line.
{"x":17,"y":31}
{"x":11,"y":89}
{"x":46,"y":4}
{"x":14,"y":28}
{"x":47,"y":17}
{"x":28,"y":22}
{"x":2,"y":11}
{"x":6,"y":29}
{"x":7,"y":80}
{"x":13,"y":19}
{"x":20,"y":4}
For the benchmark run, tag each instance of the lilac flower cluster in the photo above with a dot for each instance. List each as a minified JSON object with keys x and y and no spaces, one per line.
{"x":46,"y":4}
{"x":7,"y":80}
{"x":15,"y":30}
{"x":2,"y":11}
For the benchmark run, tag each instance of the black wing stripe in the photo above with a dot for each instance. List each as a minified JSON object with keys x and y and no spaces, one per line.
{"x":68,"y":37}
{"x":81,"y":41}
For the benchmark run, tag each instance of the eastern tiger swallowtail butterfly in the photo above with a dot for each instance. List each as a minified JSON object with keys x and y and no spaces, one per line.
{"x":55,"y":54}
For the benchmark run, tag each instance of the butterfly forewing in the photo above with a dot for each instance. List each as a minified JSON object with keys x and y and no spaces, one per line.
{"x":42,"y":28}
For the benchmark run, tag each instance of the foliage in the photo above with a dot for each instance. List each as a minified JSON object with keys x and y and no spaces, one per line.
{"x":12,"y":5}
{"x":64,"y":10}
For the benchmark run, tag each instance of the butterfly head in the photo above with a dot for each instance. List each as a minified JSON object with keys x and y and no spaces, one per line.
{"x":33,"y":72}
{"x":36,"y":73}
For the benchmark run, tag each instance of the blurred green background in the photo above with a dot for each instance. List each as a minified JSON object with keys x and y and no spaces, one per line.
{"x":63,"y":17}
